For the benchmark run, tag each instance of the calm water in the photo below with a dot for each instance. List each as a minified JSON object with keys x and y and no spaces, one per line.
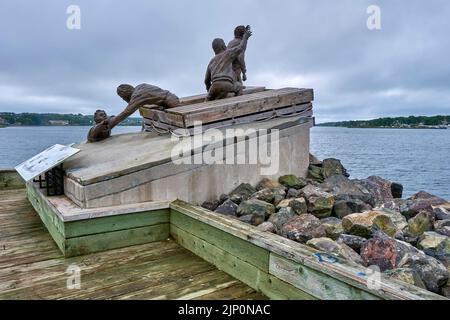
{"x":419,"y":159}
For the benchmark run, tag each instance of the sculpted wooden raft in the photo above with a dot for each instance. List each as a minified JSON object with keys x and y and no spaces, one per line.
{"x":256,"y":104}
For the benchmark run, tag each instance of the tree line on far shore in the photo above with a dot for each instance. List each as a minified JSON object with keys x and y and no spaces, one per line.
{"x":48,"y":119}
{"x":392,"y":122}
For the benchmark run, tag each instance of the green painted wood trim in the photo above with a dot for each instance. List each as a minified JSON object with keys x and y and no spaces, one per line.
{"x":237,"y":268}
{"x":10,"y":179}
{"x":52,"y":222}
{"x":316,"y":283}
{"x":242,"y":249}
{"x":80,"y":228}
{"x":116,"y":239}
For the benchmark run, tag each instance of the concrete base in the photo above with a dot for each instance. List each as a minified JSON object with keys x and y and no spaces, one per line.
{"x":136,"y":168}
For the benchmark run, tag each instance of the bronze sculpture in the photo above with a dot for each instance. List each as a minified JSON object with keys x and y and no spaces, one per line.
{"x":143,"y":94}
{"x":220,"y":78}
{"x":239,"y":66}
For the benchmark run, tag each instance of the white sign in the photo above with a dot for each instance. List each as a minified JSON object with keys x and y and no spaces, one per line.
{"x":45,"y":161}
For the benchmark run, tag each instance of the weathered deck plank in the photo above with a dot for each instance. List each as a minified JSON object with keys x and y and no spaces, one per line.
{"x":32,"y":267}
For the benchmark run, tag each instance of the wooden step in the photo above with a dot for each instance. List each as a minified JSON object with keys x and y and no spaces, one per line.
{"x":219,"y":110}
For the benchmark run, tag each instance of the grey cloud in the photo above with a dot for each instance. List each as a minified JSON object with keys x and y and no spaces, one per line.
{"x":400,"y":70}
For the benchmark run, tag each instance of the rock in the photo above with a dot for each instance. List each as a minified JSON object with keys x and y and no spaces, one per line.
{"x":436,"y":245}
{"x":292,"y":193}
{"x":267,"y":183}
{"x":247,"y":219}
{"x":260,"y":210}
{"x":354,"y":242}
{"x":407,"y":275}
{"x":380,"y":188}
{"x":396,"y":217}
{"x":242,"y":193}
{"x":388,"y":253}
{"x":344,"y":189}
{"x":266,"y":195}
{"x":315,"y":173}
{"x":364,"y":224}
{"x":340,"y":250}
{"x":223,"y":197}
{"x":303,"y":228}
{"x":396,"y":190}
{"x":266,"y":227}
{"x":228,"y":208}
{"x":442,"y":212}
{"x":381,"y":252}
{"x":432,"y":272}
{"x":299,"y":205}
{"x":343,"y":208}
{"x":421,"y":201}
{"x":281,"y":217}
{"x":291,"y":181}
{"x":333,"y":227}
{"x":283,"y":204}
{"x":319,"y":202}
{"x":333,"y":167}
{"x":314,"y":160}
{"x":420,"y":223}
{"x":211,"y":205}
{"x":442,"y":227}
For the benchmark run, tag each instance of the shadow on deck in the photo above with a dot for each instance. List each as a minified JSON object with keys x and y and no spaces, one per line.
{"x":32,"y":267}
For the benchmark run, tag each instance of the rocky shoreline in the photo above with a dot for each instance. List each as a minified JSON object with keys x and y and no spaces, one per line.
{"x":364,"y":221}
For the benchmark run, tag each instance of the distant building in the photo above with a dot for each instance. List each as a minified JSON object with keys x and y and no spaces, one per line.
{"x":3,"y":122}
{"x":58,"y":122}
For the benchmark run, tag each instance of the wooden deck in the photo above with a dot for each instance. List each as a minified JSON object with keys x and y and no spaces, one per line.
{"x":32,"y":267}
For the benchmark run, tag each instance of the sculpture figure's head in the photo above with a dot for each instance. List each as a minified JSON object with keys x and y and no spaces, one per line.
{"x":125,"y":91}
{"x":239,"y":32}
{"x":99,"y":116}
{"x":218,"y":45}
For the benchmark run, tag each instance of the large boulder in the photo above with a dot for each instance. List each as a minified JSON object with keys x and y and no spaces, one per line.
{"x":266,"y":227}
{"x":348,"y":190}
{"x":396,"y":217}
{"x":364,"y":224}
{"x":396,"y":190}
{"x":343,"y":208}
{"x":299,"y":205}
{"x":259,"y":210}
{"x":354,"y":242}
{"x":442,"y":212}
{"x":388,"y":253}
{"x":333,"y":167}
{"x":314,"y":160}
{"x":274,"y":195}
{"x":211,"y":205}
{"x":292,"y":181}
{"x":243,"y":192}
{"x":292,"y":193}
{"x":228,"y":208}
{"x":267,"y":183}
{"x":420,"y":223}
{"x":315,"y":172}
{"x":442,"y":227}
{"x":436,"y":245}
{"x":319,"y":202}
{"x":380,"y":188}
{"x":281,"y":217}
{"x":303,"y":228}
{"x":421,"y":201}
{"x":333,"y":227}
{"x":406,"y":275}
{"x":337,"y":249}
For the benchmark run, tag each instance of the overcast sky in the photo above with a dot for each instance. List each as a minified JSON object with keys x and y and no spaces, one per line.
{"x":357,"y":73}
